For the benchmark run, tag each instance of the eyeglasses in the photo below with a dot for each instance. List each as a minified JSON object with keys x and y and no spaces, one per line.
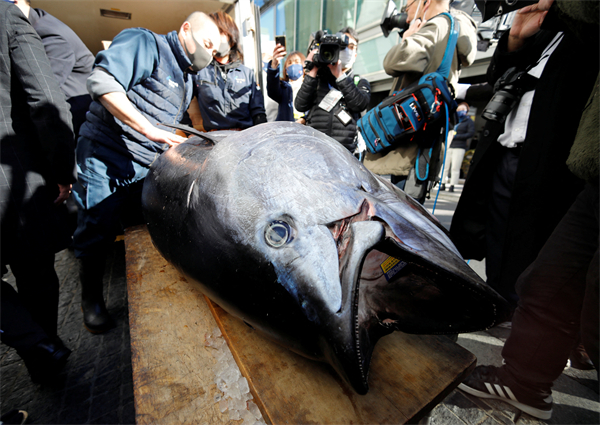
{"x":405,"y":8}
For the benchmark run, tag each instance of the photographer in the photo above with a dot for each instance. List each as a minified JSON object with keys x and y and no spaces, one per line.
{"x":520,"y":159}
{"x":420,"y":52}
{"x":333,"y":96}
{"x":558,"y":291}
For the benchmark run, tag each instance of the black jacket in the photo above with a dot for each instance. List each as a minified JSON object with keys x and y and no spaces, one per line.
{"x":70,"y":60}
{"x":465,"y":130}
{"x":541,"y":176}
{"x":356,"y":98}
{"x":36,"y":140}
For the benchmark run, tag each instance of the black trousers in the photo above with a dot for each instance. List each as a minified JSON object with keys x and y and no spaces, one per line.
{"x":558,"y":299}
{"x":31,"y":314}
{"x":498,"y":211}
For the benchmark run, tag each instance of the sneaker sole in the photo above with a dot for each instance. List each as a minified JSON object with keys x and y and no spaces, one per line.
{"x":537,"y":413}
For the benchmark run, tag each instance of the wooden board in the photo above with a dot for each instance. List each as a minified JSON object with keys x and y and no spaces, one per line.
{"x":409,"y":375}
{"x":168,"y":318}
{"x":173,"y":379}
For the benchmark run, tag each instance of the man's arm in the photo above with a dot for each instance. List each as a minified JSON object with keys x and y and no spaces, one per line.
{"x":357,"y":97}
{"x":306,"y":96}
{"x":131,"y":58}
{"x":121,"y":108}
{"x":412,"y":54}
{"x":48,"y":107}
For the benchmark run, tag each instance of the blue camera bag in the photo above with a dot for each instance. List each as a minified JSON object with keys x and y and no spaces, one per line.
{"x":404,"y":114}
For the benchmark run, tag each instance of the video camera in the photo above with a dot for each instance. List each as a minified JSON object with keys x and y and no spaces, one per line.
{"x":329,"y":46}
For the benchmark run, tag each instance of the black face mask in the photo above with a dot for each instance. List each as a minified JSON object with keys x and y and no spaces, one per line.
{"x":200,"y":58}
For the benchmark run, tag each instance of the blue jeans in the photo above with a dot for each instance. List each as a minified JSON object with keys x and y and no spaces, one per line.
{"x":108,"y":194}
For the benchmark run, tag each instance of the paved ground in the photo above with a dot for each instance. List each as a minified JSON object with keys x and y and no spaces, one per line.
{"x":96,"y":385}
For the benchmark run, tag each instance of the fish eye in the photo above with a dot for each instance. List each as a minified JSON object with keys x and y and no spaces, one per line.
{"x":278,"y":233}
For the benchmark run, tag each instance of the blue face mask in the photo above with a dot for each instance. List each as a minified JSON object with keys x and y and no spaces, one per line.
{"x":294,"y":71}
{"x":461,"y":115}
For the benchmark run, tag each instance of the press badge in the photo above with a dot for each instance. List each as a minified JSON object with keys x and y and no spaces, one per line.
{"x":391,"y":266}
{"x":329,"y":101}
{"x":344,"y":117}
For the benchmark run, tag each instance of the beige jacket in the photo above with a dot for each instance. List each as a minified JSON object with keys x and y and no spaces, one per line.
{"x":420,"y":54}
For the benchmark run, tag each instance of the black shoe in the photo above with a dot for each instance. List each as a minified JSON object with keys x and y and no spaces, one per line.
{"x":95,"y":315}
{"x":45,"y":360}
{"x":451,"y":189}
{"x":484,"y":382}
{"x":442,"y":186}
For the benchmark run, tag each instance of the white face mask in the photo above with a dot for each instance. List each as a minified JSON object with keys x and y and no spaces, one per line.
{"x":347,"y":57}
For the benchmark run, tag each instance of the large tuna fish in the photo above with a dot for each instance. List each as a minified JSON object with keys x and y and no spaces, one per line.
{"x":285,"y":229}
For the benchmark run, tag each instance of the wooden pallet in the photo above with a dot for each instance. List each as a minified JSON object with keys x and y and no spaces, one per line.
{"x":173,"y":371}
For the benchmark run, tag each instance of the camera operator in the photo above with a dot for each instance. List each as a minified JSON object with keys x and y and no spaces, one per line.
{"x":420,"y":52}
{"x":333,"y":96}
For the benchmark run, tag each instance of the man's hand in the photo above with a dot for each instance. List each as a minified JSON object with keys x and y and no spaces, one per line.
{"x":161,"y":136}
{"x":63,"y":193}
{"x":119,"y":106}
{"x":413,"y":28}
{"x":527,"y":23}
{"x":312,"y":72}
{"x":336,"y":69}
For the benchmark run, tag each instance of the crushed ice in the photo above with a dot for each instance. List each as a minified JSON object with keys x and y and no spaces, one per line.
{"x":234,"y":393}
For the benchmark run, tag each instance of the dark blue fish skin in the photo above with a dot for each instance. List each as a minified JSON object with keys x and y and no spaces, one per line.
{"x":219,"y":213}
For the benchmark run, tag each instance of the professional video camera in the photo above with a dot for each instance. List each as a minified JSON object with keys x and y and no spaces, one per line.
{"x":329,"y":46}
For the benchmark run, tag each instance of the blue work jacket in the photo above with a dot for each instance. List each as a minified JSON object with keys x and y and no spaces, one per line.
{"x":228,"y":101}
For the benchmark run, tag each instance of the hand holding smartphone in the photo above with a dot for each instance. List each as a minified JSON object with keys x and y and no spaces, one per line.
{"x":280,"y":39}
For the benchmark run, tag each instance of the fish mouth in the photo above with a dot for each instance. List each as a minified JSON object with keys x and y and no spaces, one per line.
{"x":388,"y":287}
{"x":343,"y":345}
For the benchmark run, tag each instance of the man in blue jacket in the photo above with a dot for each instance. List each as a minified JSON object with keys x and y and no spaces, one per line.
{"x":143,"y":79}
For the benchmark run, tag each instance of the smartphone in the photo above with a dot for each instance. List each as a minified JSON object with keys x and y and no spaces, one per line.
{"x":280,"y":39}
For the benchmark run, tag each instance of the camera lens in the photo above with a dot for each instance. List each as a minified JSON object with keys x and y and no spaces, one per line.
{"x":500,"y":106}
{"x":328,"y":53}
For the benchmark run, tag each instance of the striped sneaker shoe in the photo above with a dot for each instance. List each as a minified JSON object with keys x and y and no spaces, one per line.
{"x":485,"y":383}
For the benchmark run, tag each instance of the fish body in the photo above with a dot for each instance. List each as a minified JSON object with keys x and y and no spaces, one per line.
{"x":285,"y":229}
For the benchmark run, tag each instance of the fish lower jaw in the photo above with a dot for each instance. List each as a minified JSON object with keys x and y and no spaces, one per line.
{"x":359,"y":354}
